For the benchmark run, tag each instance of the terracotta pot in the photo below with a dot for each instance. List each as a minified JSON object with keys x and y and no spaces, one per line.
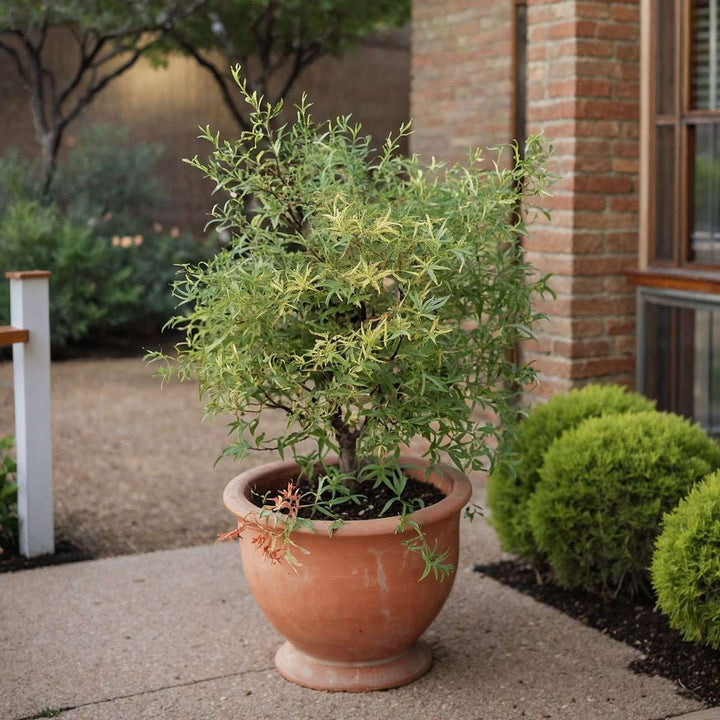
{"x":354,"y":611}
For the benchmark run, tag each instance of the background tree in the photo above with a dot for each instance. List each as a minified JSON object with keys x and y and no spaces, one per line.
{"x":275,"y":40}
{"x":110,"y":36}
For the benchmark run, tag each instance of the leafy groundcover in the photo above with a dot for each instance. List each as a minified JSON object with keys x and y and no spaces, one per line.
{"x":695,"y":668}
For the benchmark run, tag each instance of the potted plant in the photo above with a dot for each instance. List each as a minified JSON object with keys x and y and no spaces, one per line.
{"x":373,"y":301}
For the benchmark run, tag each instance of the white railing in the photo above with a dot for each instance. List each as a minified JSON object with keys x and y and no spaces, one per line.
{"x":29,"y":336}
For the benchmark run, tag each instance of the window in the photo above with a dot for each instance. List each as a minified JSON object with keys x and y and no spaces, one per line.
{"x":685,"y":135}
{"x":683,"y":370}
{"x":679,"y":293}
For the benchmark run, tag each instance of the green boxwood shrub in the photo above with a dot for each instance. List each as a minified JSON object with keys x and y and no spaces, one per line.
{"x":514,"y":480}
{"x":686,"y":564}
{"x":603,"y":489}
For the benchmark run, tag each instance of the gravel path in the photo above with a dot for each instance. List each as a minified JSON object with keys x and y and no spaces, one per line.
{"x":133,"y":463}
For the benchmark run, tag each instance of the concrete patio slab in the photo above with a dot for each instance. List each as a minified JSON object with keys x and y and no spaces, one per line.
{"x":175,"y":634}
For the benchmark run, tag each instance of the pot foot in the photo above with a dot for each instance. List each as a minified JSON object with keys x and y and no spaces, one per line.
{"x":318,"y":674}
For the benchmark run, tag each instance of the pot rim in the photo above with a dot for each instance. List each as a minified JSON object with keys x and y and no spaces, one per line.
{"x":237,"y":502}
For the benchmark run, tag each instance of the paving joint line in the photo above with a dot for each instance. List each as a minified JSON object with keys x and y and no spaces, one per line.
{"x":68,"y":708}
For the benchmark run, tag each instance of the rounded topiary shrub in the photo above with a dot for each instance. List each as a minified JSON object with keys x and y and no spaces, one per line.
{"x":686,"y":564}
{"x":514,"y":480}
{"x":603,"y":489}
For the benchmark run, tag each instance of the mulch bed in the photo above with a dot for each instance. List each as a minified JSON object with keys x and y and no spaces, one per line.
{"x":65,"y":552}
{"x":695,"y":668}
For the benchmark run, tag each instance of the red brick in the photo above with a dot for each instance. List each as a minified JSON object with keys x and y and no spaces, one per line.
{"x":592,"y":9}
{"x":620,"y":326}
{"x":594,"y":48}
{"x":603,"y":184}
{"x":592,"y":148}
{"x":576,"y":286}
{"x":628,"y":52}
{"x":624,"y":148}
{"x":561,"y":306}
{"x":626,"y":165}
{"x":618,"y":31}
{"x":539,"y":346}
{"x":548,"y":386}
{"x":617,"y":284}
{"x":608,"y":109}
{"x":602,"y":305}
{"x":626,"y":91}
{"x":589,"y":202}
{"x":622,"y":242}
{"x":598,"y":128}
{"x":624,"y":203}
{"x":557,"y":367}
{"x":602,"y":366}
{"x":586,"y":328}
{"x":587,"y":243}
{"x":593,"y":165}
{"x":625,"y":345}
{"x":605,"y":264}
{"x":581,"y":349}
{"x":626,"y":13}
{"x":574,"y":327}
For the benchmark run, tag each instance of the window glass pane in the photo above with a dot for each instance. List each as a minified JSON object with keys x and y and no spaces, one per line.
{"x":713,"y":362}
{"x":681,"y":358}
{"x":664,"y":192}
{"x":704,"y":71}
{"x":657,"y":354}
{"x":665,"y":57}
{"x":705,"y":212}
{"x":701,"y":398}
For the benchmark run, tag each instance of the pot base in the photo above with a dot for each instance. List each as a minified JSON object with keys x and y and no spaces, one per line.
{"x":318,"y":674}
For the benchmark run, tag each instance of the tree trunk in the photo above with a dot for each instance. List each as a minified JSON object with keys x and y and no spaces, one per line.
{"x":348,"y":454}
{"x":348,"y":460}
{"x":50,"y":147}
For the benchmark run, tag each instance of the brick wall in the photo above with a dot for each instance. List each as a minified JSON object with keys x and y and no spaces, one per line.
{"x":583,"y":83}
{"x":461,"y":76}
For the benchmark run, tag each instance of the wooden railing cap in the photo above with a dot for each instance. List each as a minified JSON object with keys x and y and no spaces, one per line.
{"x":28,"y":274}
{"x":10,"y":335}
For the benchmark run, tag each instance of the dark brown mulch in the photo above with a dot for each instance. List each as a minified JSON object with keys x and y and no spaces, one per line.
{"x":695,"y":668}
{"x":418,"y":494}
{"x":65,"y":552}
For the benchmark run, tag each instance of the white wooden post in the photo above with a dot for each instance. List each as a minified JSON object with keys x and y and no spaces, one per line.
{"x":29,"y":310}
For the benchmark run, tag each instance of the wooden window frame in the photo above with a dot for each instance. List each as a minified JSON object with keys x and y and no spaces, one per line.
{"x":680,"y":272}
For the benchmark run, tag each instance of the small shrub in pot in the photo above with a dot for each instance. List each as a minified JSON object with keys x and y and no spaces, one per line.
{"x":603,"y":489}
{"x":372,"y":300}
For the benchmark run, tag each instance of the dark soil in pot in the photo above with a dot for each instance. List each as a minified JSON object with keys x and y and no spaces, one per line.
{"x":695,"y":668}
{"x":416,"y":493}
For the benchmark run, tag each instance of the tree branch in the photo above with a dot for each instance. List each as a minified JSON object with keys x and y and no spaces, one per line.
{"x":86,"y":59}
{"x":219,"y":78}
{"x":18,"y":63}
{"x":94,"y":89}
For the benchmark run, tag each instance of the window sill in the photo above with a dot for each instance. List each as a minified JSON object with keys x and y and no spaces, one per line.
{"x":701,"y":282}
